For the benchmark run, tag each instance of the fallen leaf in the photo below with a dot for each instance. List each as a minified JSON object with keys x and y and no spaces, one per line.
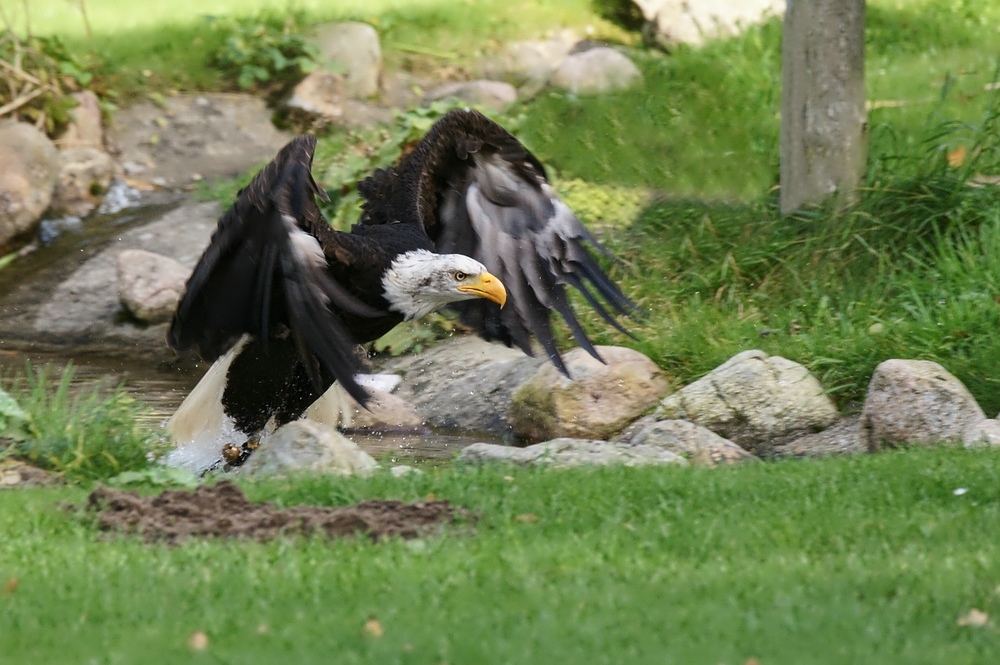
{"x":527,"y":518}
{"x":198,"y":641}
{"x":974,"y":618}
{"x":373,"y":628}
{"x":751,"y":661}
{"x":956,"y":157}
{"x":10,"y":585}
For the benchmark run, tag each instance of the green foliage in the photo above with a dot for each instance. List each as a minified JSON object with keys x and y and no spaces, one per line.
{"x":415,"y":336}
{"x":40,"y":74}
{"x":909,"y":271}
{"x":83,"y":435}
{"x":621,"y":12}
{"x":267,"y":52}
{"x":15,"y":422}
{"x":156,"y":476}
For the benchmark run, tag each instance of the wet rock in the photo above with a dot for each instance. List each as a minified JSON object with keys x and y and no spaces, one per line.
{"x":530,"y":60}
{"x":351,"y":51}
{"x":674,"y":22}
{"x":463,"y":383}
{"x":385,"y":413}
{"x":495,"y":95}
{"x":916,"y":402}
{"x":752,"y":399}
{"x":83,"y":309}
{"x":596,"y":71}
{"x":984,"y":434}
{"x":213,"y":135}
{"x":841,"y":438}
{"x":692,"y":442}
{"x":28,"y":177}
{"x":307,"y":446}
{"x":598,"y":401}
{"x":85,"y":129}
{"x":565,"y":452}
{"x":85,"y":174}
{"x":321,"y":98}
{"x":150,"y":285}
{"x":120,"y":195}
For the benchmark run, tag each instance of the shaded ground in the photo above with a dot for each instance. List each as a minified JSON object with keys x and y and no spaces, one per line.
{"x":223,"y":511}
{"x":14,"y":473}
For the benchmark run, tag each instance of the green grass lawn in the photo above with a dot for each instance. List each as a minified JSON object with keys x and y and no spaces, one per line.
{"x":868,"y":559}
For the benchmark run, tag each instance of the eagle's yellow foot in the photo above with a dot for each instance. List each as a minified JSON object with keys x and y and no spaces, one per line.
{"x":236,"y":455}
{"x":231,"y":453}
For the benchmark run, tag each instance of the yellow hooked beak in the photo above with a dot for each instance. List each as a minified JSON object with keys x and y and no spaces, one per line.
{"x":486,"y":286}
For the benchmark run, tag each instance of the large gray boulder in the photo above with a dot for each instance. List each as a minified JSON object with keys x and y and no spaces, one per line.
{"x":916,"y":402}
{"x":596,"y":71}
{"x":463,"y":383}
{"x":192,"y":137}
{"x":694,"y":443}
{"x":305,"y":446}
{"x":352,"y":51}
{"x":598,"y":401}
{"x":674,"y":22}
{"x":27,"y":179}
{"x":565,"y":452}
{"x":753,"y":399}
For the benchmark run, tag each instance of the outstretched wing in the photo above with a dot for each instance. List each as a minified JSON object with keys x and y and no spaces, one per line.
{"x":267,"y":269}
{"x":478,"y":191}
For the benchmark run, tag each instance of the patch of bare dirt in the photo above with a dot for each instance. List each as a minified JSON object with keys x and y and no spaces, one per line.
{"x":222,"y":511}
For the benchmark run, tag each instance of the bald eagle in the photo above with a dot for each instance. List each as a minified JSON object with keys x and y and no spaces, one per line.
{"x":279,"y":299}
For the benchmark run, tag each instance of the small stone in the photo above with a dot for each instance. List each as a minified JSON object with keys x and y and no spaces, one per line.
{"x":565,"y":452}
{"x":307,"y":446}
{"x":85,"y":175}
{"x":495,"y":95}
{"x":401,"y":470}
{"x":85,"y":129}
{"x":596,"y":71}
{"x":984,"y":434}
{"x":697,"y":444}
{"x":150,"y":285}
{"x":352,"y":51}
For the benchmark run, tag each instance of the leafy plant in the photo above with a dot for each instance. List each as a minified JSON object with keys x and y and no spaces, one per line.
{"x":88,"y":435}
{"x":39,"y":75}
{"x":264,"y":52}
{"x":15,"y":423}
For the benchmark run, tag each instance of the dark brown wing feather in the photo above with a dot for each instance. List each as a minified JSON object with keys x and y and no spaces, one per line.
{"x":252,"y":278}
{"x":478,"y":191}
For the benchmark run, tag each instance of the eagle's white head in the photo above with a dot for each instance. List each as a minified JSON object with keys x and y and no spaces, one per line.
{"x":420,"y":282}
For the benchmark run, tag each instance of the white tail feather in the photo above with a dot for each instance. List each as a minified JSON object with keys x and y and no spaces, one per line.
{"x":200,"y":427}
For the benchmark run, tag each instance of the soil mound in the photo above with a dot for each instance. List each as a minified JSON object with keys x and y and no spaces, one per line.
{"x":223,"y":511}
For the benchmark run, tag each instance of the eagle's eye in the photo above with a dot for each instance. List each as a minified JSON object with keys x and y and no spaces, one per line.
{"x":459,"y":276}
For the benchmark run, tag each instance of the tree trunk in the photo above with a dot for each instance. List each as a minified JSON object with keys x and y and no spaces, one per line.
{"x":824,"y":130}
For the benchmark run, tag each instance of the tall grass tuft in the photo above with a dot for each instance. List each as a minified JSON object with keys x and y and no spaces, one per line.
{"x":84,"y":435}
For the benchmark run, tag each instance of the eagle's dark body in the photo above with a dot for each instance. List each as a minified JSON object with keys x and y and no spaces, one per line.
{"x":468,"y":187}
